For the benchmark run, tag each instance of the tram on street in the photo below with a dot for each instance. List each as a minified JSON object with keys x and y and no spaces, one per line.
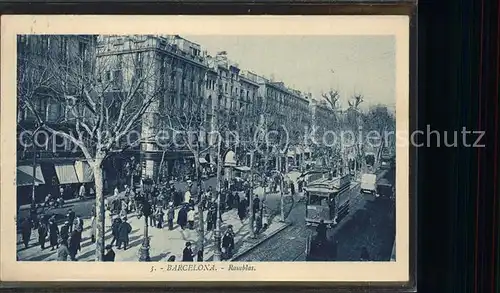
{"x":327,"y":199}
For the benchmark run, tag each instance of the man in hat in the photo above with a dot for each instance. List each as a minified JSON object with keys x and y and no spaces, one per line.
{"x":123,"y":231}
{"x":65,"y":230}
{"x":109,"y":255}
{"x":170,"y":215}
{"x":114,"y":230}
{"x":71,"y":218}
{"x":187,"y":253}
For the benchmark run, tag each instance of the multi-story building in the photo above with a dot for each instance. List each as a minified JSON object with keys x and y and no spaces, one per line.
{"x":44,"y":89}
{"x":215,"y":93}
{"x":181,"y":83}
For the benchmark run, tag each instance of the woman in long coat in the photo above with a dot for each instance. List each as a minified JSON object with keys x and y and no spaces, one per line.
{"x":242,"y":209}
{"x":210,"y":223}
{"x":26,"y":231}
{"x":42,"y":234}
{"x":53,"y":234}
{"x":74,"y":244}
{"x":182,"y":217}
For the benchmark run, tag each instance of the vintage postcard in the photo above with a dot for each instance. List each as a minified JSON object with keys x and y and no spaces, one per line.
{"x":221,"y":148}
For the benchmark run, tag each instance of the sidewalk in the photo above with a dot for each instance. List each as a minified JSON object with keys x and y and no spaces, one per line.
{"x":163,"y":242}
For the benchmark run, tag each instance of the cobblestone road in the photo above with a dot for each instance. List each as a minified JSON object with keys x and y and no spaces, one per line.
{"x":371,"y":224}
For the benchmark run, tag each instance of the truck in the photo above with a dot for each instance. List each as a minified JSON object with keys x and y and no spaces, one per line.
{"x":368,"y":183}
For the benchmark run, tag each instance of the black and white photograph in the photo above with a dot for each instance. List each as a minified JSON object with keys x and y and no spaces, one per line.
{"x":189,"y":147}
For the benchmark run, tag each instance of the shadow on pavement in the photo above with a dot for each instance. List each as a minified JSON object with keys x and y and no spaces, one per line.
{"x":372,"y":227}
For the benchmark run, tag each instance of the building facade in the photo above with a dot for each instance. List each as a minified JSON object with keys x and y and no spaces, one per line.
{"x":42,"y":63}
{"x":209,"y":93}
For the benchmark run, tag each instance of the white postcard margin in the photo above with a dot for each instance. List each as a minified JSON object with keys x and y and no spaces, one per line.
{"x":12,"y":270}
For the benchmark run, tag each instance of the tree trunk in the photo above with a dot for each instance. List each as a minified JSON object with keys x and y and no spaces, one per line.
{"x":201,"y":229}
{"x":250,"y":223}
{"x":282,"y":199}
{"x":100,"y":216}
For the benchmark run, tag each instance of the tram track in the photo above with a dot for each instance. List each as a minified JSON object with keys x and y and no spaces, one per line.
{"x":290,"y":243}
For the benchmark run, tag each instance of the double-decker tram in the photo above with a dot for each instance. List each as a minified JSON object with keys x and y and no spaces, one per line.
{"x":327,"y":199}
{"x":327,"y":203}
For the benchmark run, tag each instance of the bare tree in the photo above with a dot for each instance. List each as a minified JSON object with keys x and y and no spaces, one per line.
{"x":105,"y":96}
{"x":186,"y":120}
{"x":380,"y":120}
{"x":354,"y":120}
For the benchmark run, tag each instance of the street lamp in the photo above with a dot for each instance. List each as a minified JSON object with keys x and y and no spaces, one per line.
{"x":229,"y":161}
{"x":33,"y":198}
{"x":147,"y":185}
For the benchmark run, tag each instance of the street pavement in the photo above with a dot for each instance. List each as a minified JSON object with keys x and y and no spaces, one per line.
{"x":371,"y":223}
{"x":165,"y":243}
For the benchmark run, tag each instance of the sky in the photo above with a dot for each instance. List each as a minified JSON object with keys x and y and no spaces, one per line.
{"x":361,"y":64}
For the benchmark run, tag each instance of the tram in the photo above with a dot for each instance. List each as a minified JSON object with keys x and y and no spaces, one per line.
{"x":327,"y":199}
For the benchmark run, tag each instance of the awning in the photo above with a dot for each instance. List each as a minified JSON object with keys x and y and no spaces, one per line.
{"x":242,"y":168}
{"x":25,"y":176}
{"x":84,"y":172}
{"x":66,"y":173}
{"x":203,"y":161}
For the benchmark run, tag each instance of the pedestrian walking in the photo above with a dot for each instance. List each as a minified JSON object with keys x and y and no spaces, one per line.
{"x":62,"y":251}
{"x":210,"y":221}
{"x":74,"y":244}
{"x":114,"y":230}
{"x":26,"y":227}
{"x":214,"y":215}
{"x":53,"y":234}
{"x":65,"y":230}
{"x":124,"y":207}
{"x":187,"y":253}
{"x":182,"y":217}
{"x":227,"y":245}
{"x":187,"y":195}
{"x":170,"y":216}
{"x":242,"y":209}
{"x":152,"y":219}
{"x":70,"y":218}
{"x":109,"y":254}
{"x":256,"y":205}
{"x":78,"y":224}
{"x":123,"y":234}
{"x":190,"y":218}
{"x":42,"y":234}
{"x":321,"y":230}
{"x":159,"y":217}
{"x":81,"y":192}
{"x":365,"y":256}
